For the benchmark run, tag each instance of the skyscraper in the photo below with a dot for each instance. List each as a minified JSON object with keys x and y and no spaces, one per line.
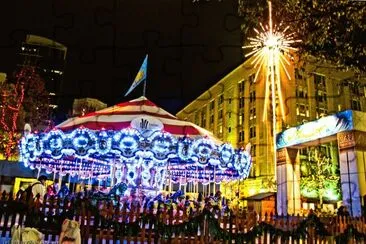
{"x":49,"y":58}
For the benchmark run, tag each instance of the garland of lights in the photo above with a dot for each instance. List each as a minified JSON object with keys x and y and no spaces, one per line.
{"x":90,"y":153}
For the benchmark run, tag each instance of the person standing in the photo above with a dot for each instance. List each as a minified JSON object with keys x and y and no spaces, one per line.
{"x":38,"y":188}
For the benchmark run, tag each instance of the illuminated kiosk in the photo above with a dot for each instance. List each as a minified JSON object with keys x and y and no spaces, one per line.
{"x":347,"y":130}
{"x":137,"y":143}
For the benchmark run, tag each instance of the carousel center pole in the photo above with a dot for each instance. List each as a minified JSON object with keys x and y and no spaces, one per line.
{"x":196,"y":185}
{"x":214,"y":186}
{"x":185,"y":186}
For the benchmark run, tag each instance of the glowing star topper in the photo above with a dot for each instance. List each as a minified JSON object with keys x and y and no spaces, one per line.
{"x":269,"y":49}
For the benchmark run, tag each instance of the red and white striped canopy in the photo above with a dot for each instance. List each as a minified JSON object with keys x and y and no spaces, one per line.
{"x":121,"y":115}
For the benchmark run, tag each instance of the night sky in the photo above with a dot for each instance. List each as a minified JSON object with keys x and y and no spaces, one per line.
{"x":190,"y":45}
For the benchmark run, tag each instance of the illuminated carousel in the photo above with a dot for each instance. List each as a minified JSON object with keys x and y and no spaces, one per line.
{"x":136,"y":143}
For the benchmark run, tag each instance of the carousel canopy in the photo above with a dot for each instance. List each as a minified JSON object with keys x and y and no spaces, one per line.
{"x":135,"y":142}
{"x":140,"y":114}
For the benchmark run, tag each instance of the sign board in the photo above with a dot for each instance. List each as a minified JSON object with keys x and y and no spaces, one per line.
{"x":323,"y":127}
{"x":146,"y":125}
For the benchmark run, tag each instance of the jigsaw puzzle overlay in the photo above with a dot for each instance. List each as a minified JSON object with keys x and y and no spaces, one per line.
{"x":116,"y":35}
{"x":191,"y":46}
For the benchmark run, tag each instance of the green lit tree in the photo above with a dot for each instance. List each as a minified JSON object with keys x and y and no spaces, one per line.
{"x":329,"y":30}
{"x":319,"y":177}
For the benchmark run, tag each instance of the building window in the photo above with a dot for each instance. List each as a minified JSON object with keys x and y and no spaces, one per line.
{"x":320,"y":112}
{"x":319,"y":80}
{"x":252,"y":132}
{"x":220,"y":114}
{"x":302,"y":110}
{"x":203,"y":117}
{"x":298,"y":73}
{"x":241,"y":119}
{"x":241,"y":136}
{"x":321,"y":96}
{"x":253,"y":150}
{"x":241,"y":102}
{"x":221,"y":99}
{"x":229,"y":115}
{"x":241,"y":86}
{"x":301,"y":92}
{"x":354,"y":87}
{"x":230,"y":100}
{"x":252,"y":114}
{"x":229,"y":129}
{"x":355,"y":105}
{"x":220,"y":129}
{"x":252,"y":171}
{"x":212,"y":105}
{"x":251,"y":79}
{"x":252,"y":96}
{"x":211,"y":118}
{"x":339,"y":107}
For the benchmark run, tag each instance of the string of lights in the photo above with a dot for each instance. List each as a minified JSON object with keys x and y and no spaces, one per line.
{"x":129,"y":156}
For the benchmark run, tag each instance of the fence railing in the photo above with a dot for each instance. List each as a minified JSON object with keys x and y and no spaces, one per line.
{"x":102,"y":220}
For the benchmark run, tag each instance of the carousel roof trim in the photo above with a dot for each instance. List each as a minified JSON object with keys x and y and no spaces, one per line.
{"x":119,"y":116}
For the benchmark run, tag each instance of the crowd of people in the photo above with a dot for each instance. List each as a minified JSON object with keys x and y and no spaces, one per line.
{"x":178,"y":202}
{"x":134,"y":198}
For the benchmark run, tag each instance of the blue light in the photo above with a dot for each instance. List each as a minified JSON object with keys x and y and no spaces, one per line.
{"x":98,"y":150}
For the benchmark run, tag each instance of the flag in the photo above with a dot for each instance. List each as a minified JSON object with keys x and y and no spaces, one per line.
{"x":141,"y":76}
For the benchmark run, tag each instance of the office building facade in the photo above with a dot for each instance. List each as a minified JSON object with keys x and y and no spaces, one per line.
{"x":233,"y":110}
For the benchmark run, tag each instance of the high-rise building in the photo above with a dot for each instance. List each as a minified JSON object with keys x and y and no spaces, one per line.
{"x":49,"y":58}
{"x":233,"y":109}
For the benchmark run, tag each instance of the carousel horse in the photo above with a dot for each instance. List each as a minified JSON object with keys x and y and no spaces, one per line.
{"x":63,"y":192}
{"x":25,"y":235}
{"x":70,"y":231}
{"x":154,"y":202}
{"x":173,"y":198}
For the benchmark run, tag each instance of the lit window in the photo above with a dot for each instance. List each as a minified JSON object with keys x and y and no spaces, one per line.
{"x":339,"y":107}
{"x":252,"y":132}
{"x":252,"y":114}
{"x":319,"y":80}
{"x":356,"y":105}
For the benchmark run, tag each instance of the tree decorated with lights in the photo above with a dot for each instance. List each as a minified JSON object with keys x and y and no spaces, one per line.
{"x":329,"y":30}
{"x":319,"y":177}
{"x":23,"y":100}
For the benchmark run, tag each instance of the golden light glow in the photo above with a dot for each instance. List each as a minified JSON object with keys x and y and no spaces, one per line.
{"x":270,"y":49}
